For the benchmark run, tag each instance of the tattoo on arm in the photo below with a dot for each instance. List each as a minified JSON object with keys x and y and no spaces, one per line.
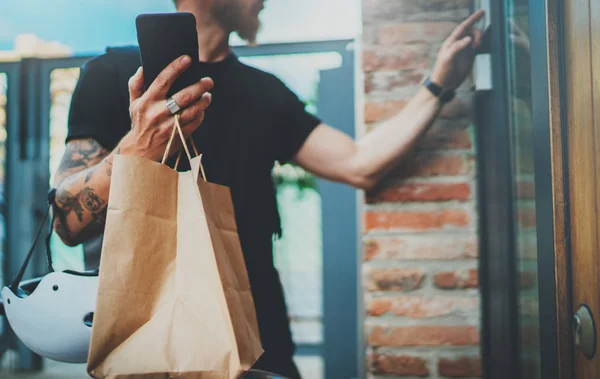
{"x":88,"y":176}
{"x":86,"y":199}
{"x":78,"y":156}
{"x":109,"y":167}
{"x":90,"y":200}
{"x":69,"y":203}
{"x":96,"y":226}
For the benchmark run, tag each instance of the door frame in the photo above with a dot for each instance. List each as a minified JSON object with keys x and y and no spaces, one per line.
{"x":552,"y":193}
{"x":13,"y":151}
{"x":498,"y":261}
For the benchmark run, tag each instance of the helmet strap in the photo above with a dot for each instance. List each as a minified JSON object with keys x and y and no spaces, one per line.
{"x":51,"y":205}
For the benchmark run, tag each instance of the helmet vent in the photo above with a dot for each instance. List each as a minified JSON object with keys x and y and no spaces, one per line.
{"x":55,"y":287}
{"x":88,"y":319}
{"x":8,"y":301}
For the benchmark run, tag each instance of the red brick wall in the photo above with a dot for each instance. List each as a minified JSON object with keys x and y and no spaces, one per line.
{"x":420,"y":279}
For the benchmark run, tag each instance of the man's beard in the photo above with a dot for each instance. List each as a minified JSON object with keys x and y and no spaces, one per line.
{"x":249,"y":31}
{"x":232,"y":18}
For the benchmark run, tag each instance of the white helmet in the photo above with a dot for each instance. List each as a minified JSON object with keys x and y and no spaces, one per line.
{"x":52,"y":315}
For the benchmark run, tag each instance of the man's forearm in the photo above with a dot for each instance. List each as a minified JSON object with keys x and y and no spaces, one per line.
{"x":380,"y":150}
{"x":81,"y":200}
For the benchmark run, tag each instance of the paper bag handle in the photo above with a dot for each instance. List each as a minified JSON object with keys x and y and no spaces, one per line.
{"x":177,"y":128}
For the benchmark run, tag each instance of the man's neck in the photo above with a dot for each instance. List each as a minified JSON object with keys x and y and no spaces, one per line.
{"x":213,"y":40}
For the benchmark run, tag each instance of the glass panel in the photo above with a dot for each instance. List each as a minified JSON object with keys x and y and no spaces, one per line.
{"x":521,"y":124}
{"x":3,"y":134}
{"x":62,"y":85}
{"x":310,"y":367}
{"x":298,"y":254}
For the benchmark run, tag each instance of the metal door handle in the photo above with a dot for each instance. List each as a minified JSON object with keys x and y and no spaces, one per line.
{"x":584,"y":332}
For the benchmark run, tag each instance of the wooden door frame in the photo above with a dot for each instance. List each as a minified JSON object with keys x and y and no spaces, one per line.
{"x":552,"y":193}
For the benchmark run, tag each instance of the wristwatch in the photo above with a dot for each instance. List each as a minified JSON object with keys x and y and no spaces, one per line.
{"x":438,"y":91}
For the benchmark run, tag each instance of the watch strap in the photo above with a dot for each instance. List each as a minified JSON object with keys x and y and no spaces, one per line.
{"x":438,"y":91}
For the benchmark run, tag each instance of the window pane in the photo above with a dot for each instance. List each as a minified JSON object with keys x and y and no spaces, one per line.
{"x":521,"y":128}
{"x":298,"y":254}
{"x":62,"y":85}
{"x":3,"y":134}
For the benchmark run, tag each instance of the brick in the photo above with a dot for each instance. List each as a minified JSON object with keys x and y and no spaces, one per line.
{"x":422,"y":307}
{"x":431,"y":335}
{"x":389,"y":81}
{"x":526,"y":217}
{"x":456,"y":279}
{"x":378,"y":11}
{"x":421,"y":248}
{"x":525,"y":189}
{"x":381,"y":111}
{"x":402,"y":365}
{"x":527,"y":280}
{"x":407,"y":57}
{"x":415,"y":32}
{"x":393,"y":279}
{"x":446,"y":138}
{"x":464,"y":367}
{"x":429,"y":165}
{"x":530,"y":336}
{"x":417,"y":221}
{"x":405,"y":192}
{"x":378,"y":306}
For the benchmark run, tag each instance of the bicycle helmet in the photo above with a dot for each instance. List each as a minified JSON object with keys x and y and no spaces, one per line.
{"x":52,"y":315}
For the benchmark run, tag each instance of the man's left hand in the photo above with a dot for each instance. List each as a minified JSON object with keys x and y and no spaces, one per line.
{"x":455,"y":57}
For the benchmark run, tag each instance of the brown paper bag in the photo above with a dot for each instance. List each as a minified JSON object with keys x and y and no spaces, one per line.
{"x":174,"y":298}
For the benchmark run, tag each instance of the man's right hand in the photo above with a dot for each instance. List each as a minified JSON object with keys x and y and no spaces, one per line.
{"x":152,"y":122}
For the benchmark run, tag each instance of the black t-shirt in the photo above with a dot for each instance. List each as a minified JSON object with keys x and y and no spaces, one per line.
{"x":253,"y":121}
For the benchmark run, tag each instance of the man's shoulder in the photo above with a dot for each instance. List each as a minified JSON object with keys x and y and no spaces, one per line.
{"x":119,"y":61}
{"x":260,"y":79}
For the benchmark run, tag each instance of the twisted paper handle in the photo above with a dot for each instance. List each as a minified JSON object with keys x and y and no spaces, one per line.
{"x":177,"y":128}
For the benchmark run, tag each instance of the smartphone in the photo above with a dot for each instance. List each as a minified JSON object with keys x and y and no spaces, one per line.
{"x":164,"y":37}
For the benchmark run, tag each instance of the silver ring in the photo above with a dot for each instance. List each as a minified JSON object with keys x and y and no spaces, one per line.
{"x":173,"y":106}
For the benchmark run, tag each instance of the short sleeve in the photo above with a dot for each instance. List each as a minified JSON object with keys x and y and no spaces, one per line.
{"x":96,"y":107}
{"x":295,"y":124}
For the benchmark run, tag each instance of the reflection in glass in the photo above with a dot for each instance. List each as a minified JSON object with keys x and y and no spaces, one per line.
{"x":298,"y":254}
{"x":3,"y":134}
{"x":521,"y":128}
{"x":62,"y":85}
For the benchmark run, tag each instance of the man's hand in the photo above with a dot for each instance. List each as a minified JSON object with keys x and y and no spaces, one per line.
{"x":152,"y":122}
{"x":455,"y":57}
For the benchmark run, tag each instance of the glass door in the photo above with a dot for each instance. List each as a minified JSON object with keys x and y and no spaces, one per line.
{"x":5,"y":71}
{"x":518,"y":274}
{"x":310,"y":257}
{"x":58,"y":78}
{"x":518,"y":65}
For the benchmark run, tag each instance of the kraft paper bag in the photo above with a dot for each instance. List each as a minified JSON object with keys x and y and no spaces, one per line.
{"x":174,"y":298}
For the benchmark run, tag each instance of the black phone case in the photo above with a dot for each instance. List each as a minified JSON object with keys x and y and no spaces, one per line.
{"x":164,"y":37}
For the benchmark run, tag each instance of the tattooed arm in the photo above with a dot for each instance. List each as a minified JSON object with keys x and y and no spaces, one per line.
{"x":83,"y":178}
{"x":82,"y":186}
